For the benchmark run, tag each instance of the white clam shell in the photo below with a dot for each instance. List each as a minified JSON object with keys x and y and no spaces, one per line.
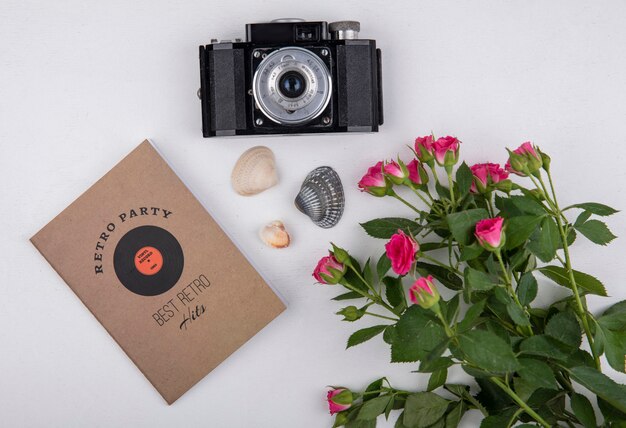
{"x":254,"y":172}
{"x":275,"y":235}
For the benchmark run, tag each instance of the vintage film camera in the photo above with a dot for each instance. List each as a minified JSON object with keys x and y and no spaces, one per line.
{"x":291,"y":77}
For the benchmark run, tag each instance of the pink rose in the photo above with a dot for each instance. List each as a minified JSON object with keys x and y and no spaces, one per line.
{"x":414,"y":171}
{"x":329,"y":270}
{"x":424,"y":293}
{"x":486,"y":174}
{"x":524,"y":159}
{"x":401,"y":250}
{"x":446,"y":150}
{"x":424,"y":148}
{"x":490,"y":234}
{"x":373,"y":181}
{"x":394,"y":172}
{"x":339,"y":399}
{"x":527,"y":148}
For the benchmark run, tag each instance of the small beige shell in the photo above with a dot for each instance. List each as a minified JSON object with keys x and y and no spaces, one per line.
{"x":254,"y":172}
{"x":274,"y":235}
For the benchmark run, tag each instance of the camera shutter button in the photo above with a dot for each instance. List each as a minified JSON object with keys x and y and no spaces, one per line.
{"x":344,"y":30}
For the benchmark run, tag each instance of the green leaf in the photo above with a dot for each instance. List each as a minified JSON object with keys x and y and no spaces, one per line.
{"x":367,"y":272}
{"x":348,"y":296}
{"x":464,"y":178}
{"x":596,"y":208}
{"x":452,"y":307}
{"x":601,"y":385}
{"x":478,"y":280}
{"x":611,"y":414}
{"x":453,"y":418}
{"x":444,"y":275}
{"x":547,"y":240}
{"x":488,"y":351}
{"x":585,"y":281}
{"x":582,"y":217}
{"x":383,"y":265}
{"x":423,"y":409}
{"x":527,"y":205}
{"x":430,"y":366}
{"x":394,"y":291}
{"x":615,"y":348}
{"x":519,"y":229}
{"x":470,"y":252}
{"x":416,"y":334}
{"x":527,"y":289}
{"x":383,"y":228}
{"x":431,"y":246}
{"x":543,"y":346}
{"x":462,"y":224}
{"x":364,"y":335}
{"x":471,"y":315}
{"x":537,"y":373}
{"x":596,"y":231}
{"x":583,"y":410}
{"x":442,"y":191}
{"x":565,"y":328}
{"x":374,"y":407}
{"x":361,"y":424}
{"x":400,"y":421}
{"x":614,"y":318}
{"x":517,"y":314}
{"x":619,"y":307}
{"x":374,"y":386}
{"x":437,"y":378}
{"x":492,"y":397}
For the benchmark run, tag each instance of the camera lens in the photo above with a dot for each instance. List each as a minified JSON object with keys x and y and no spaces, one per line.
{"x":292,"y":84}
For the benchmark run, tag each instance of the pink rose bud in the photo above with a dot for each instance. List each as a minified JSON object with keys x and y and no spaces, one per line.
{"x":424,"y":149}
{"x":490,"y":234}
{"x":424,"y":293}
{"x":329,"y":270}
{"x":417,"y":174}
{"x":446,"y":151}
{"x":339,"y":399}
{"x":401,"y":250}
{"x":394,"y":171}
{"x":510,"y":169}
{"x":524,"y":160}
{"x":485,"y":175}
{"x":373,"y":182}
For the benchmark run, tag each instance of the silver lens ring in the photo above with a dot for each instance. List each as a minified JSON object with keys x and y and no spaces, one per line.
{"x":271,"y":100}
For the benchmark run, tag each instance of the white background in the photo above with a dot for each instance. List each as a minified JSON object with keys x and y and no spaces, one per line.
{"x":83,"y":82}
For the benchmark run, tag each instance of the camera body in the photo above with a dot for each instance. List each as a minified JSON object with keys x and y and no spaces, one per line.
{"x":291,"y":77}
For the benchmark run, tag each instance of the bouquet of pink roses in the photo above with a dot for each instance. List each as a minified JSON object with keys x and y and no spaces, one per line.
{"x":529,"y":362}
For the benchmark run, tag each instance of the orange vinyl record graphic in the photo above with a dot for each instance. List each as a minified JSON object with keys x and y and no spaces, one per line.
{"x":148,"y":260}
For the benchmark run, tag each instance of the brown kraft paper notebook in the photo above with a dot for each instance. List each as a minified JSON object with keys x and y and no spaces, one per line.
{"x":158,"y":272}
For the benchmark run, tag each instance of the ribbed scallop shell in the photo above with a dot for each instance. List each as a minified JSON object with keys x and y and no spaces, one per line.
{"x":321,"y":197}
{"x":254,"y":172}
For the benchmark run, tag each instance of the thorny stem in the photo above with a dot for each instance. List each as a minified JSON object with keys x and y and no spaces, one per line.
{"x":376,"y":298}
{"x":581,"y":305}
{"x":419,"y":195}
{"x":449,"y":332}
{"x":520,"y":402}
{"x":451,"y":185}
{"x":432,"y":168}
{"x":405,"y":202}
